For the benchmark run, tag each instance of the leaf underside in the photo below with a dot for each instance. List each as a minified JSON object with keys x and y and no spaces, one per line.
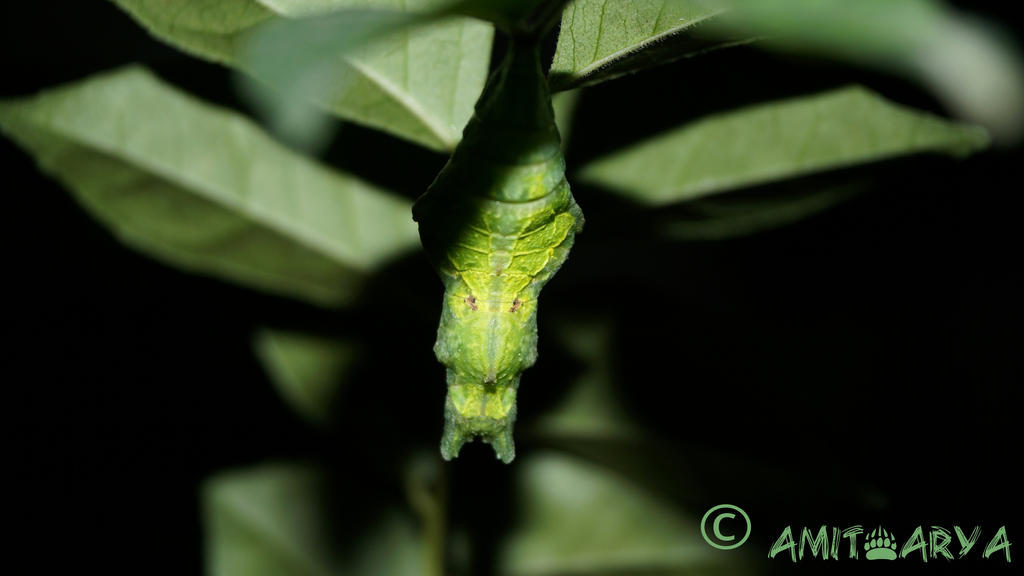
{"x":604,"y":39}
{"x":773,"y":141}
{"x":419,"y":84}
{"x":206,"y":190}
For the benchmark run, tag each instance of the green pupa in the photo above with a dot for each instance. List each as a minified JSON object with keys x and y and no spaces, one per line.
{"x":497,"y":223}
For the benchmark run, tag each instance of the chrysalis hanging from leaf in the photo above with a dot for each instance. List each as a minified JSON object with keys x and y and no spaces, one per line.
{"x":497,"y":223}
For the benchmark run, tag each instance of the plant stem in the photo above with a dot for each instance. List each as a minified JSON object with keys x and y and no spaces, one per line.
{"x":427,"y":491}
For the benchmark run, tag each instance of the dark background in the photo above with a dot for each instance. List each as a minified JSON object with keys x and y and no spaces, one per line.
{"x":860,"y":367}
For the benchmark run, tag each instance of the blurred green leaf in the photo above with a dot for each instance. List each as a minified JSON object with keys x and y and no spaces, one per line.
{"x":267,"y":521}
{"x":968,"y":63}
{"x":209,"y":29}
{"x":603,"y":39}
{"x":273,"y":520}
{"x":590,"y":421}
{"x":355,"y":58}
{"x":204,"y":189}
{"x":590,"y":411}
{"x":773,"y":141}
{"x":578,"y":518}
{"x":426,"y":491}
{"x":564,"y":104}
{"x":593,"y":424}
{"x":419,"y":82}
{"x":392,"y":546}
{"x":729,"y":216}
{"x":302,"y":62}
{"x":307,"y":370}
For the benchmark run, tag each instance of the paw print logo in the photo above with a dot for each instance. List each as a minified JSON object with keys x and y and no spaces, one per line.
{"x":880,"y":545}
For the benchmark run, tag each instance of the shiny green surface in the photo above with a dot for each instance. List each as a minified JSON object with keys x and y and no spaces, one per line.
{"x":497,"y":223}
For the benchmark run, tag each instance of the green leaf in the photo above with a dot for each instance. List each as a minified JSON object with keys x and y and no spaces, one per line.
{"x":267,"y":521}
{"x":589,"y":412}
{"x":299,"y":61}
{"x":733,"y":216}
{"x":966,"y":62}
{"x":209,"y":29}
{"x":594,"y":431}
{"x":604,"y":39}
{"x":307,"y":370}
{"x":416,"y":82}
{"x":590,"y":421}
{"x":355,"y":58}
{"x":564,"y":105}
{"x":273,"y":520}
{"x":773,"y":141}
{"x":577,"y":518}
{"x":204,"y":189}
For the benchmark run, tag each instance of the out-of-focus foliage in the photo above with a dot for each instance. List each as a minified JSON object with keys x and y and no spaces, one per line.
{"x":274,"y":519}
{"x":589,"y":410}
{"x":776,"y":140}
{"x":564,"y":104}
{"x":267,"y":521}
{"x":418,"y":83}
{"x":577,"y":513}
{"x":965,"y":62}
{"x":605,"y":39}
{"x":209,"y":29}
{"x":205,"y":189}
{"x":734,"y":215}
{"x":307,"y":370}
{"x":577,"y":517}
